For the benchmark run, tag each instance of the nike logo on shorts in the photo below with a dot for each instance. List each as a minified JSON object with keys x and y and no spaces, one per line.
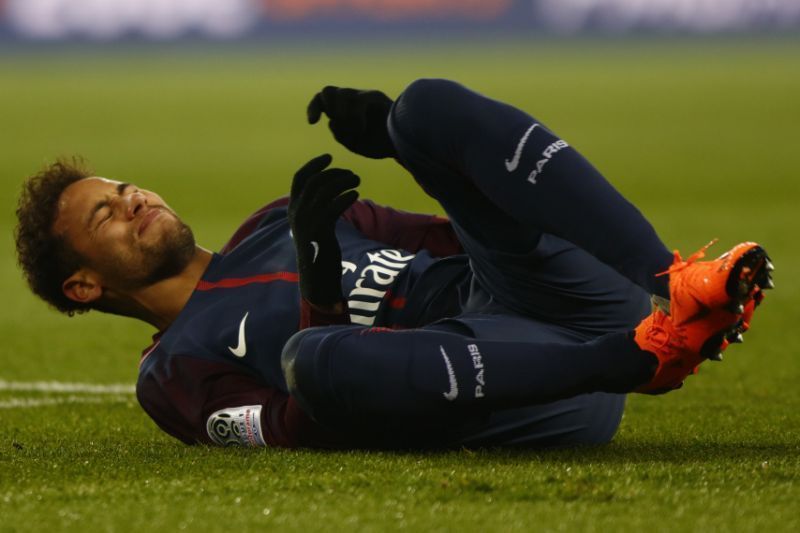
{"x":316,"y":251}
{"x":241,"y":348}
{"x":452,"y":394}
{"x":511,"y":165}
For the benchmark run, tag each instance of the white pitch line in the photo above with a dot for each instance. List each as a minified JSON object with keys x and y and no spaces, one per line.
{"x":16,"y":403}
{"x":60,"y":386}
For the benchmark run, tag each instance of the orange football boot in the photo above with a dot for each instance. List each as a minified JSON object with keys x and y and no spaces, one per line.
{"x":711,"y":304}
{"x":729,"y":282}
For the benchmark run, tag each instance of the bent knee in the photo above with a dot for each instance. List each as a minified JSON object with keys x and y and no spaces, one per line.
{"x":302,"y":354}
{"x":302,"y":363}
{"x":428,"y":104}
{"x":430,"y":91}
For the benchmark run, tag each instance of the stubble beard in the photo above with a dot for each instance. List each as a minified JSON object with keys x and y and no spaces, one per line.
{"x":170,"y":255}
{"x":165,"y":258}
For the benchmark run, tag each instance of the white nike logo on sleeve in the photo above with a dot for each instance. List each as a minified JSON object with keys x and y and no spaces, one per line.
{"x":241,"y":348}
{"x":511,"y":165}
{"x":452,"y":394}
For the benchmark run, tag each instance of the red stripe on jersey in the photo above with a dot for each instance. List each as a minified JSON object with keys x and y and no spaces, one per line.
{"x":230,"y":283}
{"x":376,"y":329}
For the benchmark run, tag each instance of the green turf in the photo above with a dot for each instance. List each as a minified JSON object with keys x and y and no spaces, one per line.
{"x":702,"y":135}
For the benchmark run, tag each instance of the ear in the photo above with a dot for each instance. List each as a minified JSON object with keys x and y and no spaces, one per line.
{"x":83,"y":287}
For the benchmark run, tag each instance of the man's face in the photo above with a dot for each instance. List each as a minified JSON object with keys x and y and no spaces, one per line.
{"x":127,"y":235}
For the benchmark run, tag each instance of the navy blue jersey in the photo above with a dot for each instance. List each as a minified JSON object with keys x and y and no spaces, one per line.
{"x":221,"y":356}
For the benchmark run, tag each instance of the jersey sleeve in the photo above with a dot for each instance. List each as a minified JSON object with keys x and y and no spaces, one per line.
{"x":401,"y":229}
{"x":207,"y":402}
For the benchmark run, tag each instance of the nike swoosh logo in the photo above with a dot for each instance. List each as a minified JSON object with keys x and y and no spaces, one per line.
{"x":452,"y":394}
{"x":241,"y":348}
{"x":316,"y":251}
{"x":511,"y":165}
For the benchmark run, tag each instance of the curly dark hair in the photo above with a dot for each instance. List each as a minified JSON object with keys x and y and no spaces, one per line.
{"x":45,"y":257}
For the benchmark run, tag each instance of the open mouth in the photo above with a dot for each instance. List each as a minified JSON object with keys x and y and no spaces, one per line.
{"x":148,"y":218}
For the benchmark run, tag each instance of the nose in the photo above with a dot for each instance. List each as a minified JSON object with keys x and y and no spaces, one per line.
{"x":132,"y":203}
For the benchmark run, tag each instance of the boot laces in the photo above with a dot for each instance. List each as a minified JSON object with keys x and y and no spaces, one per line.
{"x":679,"y":264}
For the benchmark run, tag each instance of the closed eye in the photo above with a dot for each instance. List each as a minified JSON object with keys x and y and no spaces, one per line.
{"x":104,"y":204}
{"x":103,"y":212}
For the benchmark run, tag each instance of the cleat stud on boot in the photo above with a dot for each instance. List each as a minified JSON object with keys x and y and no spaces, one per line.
{"x":716,"y":357}
{"x":769,"y":284}
{"x":735,"y":307}
{"x":769,"y":266}
{"x":738,"y":339}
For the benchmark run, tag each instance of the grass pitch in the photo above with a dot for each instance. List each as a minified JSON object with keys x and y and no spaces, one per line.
{"x":701,"y":135}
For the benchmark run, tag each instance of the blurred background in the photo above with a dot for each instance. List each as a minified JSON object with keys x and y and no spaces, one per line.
{"x":234,"y":19}
{"x":689,"y":106}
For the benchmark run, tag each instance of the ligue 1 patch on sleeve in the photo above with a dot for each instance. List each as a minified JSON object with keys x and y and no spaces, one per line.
{"x":236,"y":425}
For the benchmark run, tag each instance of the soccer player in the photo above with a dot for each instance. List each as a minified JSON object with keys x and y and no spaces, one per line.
{"x":327,"y":321}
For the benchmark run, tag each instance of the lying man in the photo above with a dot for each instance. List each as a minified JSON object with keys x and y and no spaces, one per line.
{"x":331,"y":322}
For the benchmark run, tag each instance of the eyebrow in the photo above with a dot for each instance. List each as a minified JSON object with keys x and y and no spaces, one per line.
{"x":104,"y":202}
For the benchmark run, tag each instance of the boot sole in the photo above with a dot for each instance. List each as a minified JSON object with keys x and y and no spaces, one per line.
{"x":752,"y":272}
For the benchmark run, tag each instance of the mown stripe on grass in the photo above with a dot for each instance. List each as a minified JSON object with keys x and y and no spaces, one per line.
{"x":60,"y":386}
{"x":22,"y":403}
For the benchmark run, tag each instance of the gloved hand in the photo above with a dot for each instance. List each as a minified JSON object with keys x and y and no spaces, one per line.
{"x":357,"y":119}
{"x":317,"y":200}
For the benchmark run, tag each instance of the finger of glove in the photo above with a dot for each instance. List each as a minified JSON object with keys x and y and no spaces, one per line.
{"x":322,"y":188}
{"x":315,"y":109}
{"x":306,"y":172}
{"x":344,"y":104}
{"x":321,"y":191}
{"x":340,"y":204}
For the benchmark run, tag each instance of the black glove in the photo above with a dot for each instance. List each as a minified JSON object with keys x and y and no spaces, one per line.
{"x":357,"y":119}
{"x":317,"y":200}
